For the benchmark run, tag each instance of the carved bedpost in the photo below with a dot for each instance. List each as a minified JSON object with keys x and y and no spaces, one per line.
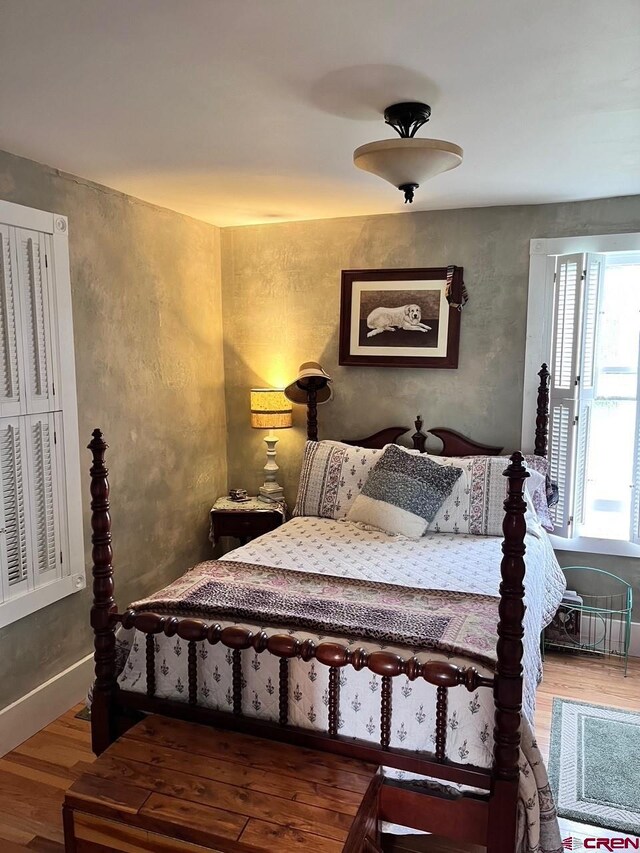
{"x":507,"y":689}
{"x":105,"y":685}
{"x":419,"y":439}
{"x":542,"y":412}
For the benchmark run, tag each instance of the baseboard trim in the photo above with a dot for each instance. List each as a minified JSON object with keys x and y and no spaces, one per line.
{"x":27,"y":715}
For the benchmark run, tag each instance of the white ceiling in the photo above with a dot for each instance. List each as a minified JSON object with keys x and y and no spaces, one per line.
{"x":245,"y":111}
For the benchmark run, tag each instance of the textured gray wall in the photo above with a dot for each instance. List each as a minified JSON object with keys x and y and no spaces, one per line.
{"x":280,"y":290}
{"x":148,"y":338}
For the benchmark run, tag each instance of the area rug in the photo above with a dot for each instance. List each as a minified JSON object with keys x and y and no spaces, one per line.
{"x":594,"y":764}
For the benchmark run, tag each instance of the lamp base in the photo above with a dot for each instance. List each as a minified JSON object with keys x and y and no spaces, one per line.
{"x":269,"y":496}
{"x":271,"y":490}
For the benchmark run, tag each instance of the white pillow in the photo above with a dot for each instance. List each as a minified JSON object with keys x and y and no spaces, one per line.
{"x":332,"y":477}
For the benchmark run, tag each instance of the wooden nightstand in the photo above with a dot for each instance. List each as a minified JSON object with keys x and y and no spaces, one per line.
{"x":244,"y":521}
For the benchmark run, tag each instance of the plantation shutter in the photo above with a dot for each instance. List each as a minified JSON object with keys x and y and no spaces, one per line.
{"x":43,"y":495}
{"x":30,"y":248}
{"x":31,"y":469}
{"x":563,"y":396}
{"x":578,"y":286}
{"x":635,"y":495}
{"x":10,"y":342}
{"x":13,"y":498}
{"x":592,"y":291}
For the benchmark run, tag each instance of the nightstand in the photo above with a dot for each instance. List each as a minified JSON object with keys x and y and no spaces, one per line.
{"x":246,"y":520}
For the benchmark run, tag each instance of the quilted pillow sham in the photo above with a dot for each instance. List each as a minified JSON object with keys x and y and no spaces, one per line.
{"x":331,"y":478}
{"x":476,"y":504}
{"x":403,"y":492}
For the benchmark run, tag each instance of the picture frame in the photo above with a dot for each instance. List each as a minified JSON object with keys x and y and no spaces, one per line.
{"x":401,"y":318}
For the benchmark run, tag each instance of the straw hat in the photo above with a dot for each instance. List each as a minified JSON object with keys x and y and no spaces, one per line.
{"x":309,"y":370}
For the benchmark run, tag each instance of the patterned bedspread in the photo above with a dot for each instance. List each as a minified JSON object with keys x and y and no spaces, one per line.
{"x":444,"y":620}
{"x":448,"y":562}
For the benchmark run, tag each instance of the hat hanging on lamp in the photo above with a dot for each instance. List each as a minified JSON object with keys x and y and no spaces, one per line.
{"x":271,"y":410}
{"x":311,"y":387}
{"x":407,"y":162}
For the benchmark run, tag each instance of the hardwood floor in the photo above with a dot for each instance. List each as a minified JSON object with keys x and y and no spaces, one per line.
{"x":34,"y":777}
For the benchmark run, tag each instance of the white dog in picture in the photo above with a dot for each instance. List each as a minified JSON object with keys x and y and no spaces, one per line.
{"x":407,"y":317}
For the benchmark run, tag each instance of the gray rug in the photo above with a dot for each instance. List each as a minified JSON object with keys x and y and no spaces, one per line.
{"x":594,"y":764}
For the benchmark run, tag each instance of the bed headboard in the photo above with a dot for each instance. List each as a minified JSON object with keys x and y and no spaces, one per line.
{"x":453,"y":443}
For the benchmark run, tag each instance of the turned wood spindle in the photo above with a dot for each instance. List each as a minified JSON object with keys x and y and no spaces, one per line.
{"x":105,"y":686}
{"x":283,"y":691}
{"x":507,"y":688}
{"x":236,"y":681}
{"x":151,"y":664}
{"x":385,"y":712}
{"x":192,"y":672}
{"x":334,"y":689}
{"x":542,"y":413}
{"x":441,"y":722}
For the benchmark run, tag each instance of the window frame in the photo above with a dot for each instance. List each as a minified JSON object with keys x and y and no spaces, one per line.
{"x":73,"y":578}
{"x":539,"y":329}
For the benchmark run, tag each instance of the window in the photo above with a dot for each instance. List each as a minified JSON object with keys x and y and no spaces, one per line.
{"x":586,"y":316}
{"x":41,"y":545}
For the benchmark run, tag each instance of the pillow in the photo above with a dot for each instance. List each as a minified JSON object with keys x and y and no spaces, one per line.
{"x":543,"y":494}
{"x":403,"y":492}
{"x":476,"y":504}
{"x":331,"y":478}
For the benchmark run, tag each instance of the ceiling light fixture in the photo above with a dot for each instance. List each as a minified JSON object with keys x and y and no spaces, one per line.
{"x":407,"y":162}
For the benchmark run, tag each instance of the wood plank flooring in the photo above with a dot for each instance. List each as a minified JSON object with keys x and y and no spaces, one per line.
{"x":34,"y":777}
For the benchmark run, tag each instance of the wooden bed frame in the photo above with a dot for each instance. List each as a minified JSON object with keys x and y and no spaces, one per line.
{"x":489,"y":820}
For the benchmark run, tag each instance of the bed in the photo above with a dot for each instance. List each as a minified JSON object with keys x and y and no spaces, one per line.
{"x":355,"y":692}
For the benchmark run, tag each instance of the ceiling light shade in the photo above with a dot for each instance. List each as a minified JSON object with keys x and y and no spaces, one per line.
{"x":407,"y":162}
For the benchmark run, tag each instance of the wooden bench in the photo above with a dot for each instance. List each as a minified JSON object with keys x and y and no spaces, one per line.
{"x":169,"y":785}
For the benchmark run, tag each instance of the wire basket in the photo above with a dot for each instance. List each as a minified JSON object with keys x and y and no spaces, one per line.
{"x":597,"y":623}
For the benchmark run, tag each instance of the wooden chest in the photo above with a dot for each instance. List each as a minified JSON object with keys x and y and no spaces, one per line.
{"x":169,"y":785}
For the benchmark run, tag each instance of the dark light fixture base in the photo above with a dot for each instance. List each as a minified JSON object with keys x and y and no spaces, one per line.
{"x":408,"y":190}
{"x":407,"y":118}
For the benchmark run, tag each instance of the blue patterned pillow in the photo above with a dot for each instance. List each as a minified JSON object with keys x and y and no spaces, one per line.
{"x":403,"y":492}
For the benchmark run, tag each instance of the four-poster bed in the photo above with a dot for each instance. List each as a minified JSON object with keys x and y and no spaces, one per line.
{"x":489,"y":820}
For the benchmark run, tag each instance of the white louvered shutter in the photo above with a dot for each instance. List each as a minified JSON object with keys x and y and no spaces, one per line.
{"x":31,"y":249}
{"x":16,"y":577}
{"x":41,"y":547}
{"x":31,"y":473}
{"x":563,"y":396}
{"x":10,"y":343}
{"x":592,"y":291}
{"x":43,"y":497}
{"x":578,"y":287}
{"x":635,"y":495}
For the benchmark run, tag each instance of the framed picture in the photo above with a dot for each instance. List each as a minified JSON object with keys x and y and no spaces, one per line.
{"x":400,"y":318}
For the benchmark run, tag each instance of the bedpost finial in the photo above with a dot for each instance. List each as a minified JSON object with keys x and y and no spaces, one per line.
{"x":419,"y":439}
{"x":97,"y":441}
{"x":516,"y":466}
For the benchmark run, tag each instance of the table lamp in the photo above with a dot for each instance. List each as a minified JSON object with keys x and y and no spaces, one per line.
{"x":270,"y":410}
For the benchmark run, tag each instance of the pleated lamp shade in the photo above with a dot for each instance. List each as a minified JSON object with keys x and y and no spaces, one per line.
{"x":270,"y":409}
